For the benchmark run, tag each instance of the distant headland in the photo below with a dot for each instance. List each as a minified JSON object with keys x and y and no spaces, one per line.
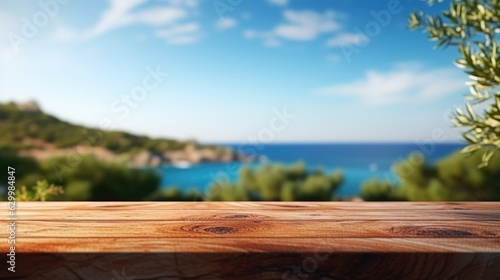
{"x":29,"y":131}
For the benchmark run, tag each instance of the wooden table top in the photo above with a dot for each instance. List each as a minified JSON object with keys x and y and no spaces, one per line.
{"x":268,"y":227}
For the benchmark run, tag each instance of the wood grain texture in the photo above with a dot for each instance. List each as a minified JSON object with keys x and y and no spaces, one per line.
{"x":258,"y":245}
{"x":253,"y":228}
{"x":119,"y":214}
{"x":347,"y":205}
{"x":255,"y":240}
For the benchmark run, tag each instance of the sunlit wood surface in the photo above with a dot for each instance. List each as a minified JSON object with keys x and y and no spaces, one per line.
{"x":255,"y":240}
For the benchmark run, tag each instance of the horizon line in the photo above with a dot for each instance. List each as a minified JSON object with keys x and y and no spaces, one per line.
{"x":331,"y":142}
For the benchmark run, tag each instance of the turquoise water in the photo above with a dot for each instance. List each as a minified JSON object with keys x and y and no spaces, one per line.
{"x":358,"y":162}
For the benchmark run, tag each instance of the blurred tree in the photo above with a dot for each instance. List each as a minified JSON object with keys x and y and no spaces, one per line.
{"x":374,"y":190}
{"x":173,"y":193}
{"x":93,"y":179}
{"x":275,"y":182}
{"x":473,"y":27}
{"x":455,"y":177}
{"x":24,"y":167}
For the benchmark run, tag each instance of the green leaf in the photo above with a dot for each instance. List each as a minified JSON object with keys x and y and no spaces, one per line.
{"x":470,"y":138}
{"x":471,"y":111}
{"x":471,"y":148}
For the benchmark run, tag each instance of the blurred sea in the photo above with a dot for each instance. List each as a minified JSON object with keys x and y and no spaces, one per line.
{"x":358,"y":162}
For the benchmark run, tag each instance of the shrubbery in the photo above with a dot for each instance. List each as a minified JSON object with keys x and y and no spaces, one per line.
{"x":278,"y":183}
{"x":90,"y":179}
{"x":456,"y":177}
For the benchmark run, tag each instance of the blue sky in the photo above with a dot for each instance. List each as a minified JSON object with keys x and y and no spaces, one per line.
{"x":341,"y":70}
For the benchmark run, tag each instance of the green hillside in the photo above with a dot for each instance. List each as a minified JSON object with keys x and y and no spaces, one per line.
{"x":18,"y":124}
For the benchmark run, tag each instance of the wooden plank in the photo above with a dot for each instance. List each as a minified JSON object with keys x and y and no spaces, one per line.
{"x":252,"y":229}
{"x":255,"y":245}
{"x":243,"y":266}
{"x":253,"y":240}
{"x":347,"y":205}
{"x":116,"y":214}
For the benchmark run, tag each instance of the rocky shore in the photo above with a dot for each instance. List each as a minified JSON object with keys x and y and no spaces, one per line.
{"x":191,"y":154}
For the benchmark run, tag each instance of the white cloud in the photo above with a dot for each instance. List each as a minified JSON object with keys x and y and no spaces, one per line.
{"x":400,"y":85}
{"x":306,"y":25}
{"x":278,"y":2}
{"x":63,"y":33}
{"x":300,"y":26}
{"x":268,"y":38}
{"x":120,"y":15}
{"x":250,"y":34}
{"x":116,"y":16}
{"x":179,"y":30}
{"x":346,"y":39}
{"x":165,"y":19}
{"x":225,"y":23}
{"x":333,"y":58}
{"x":159,"y":16}
{"x":272,"y":42}
{"x":181,"y":34}
{"x":185,"y":3}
